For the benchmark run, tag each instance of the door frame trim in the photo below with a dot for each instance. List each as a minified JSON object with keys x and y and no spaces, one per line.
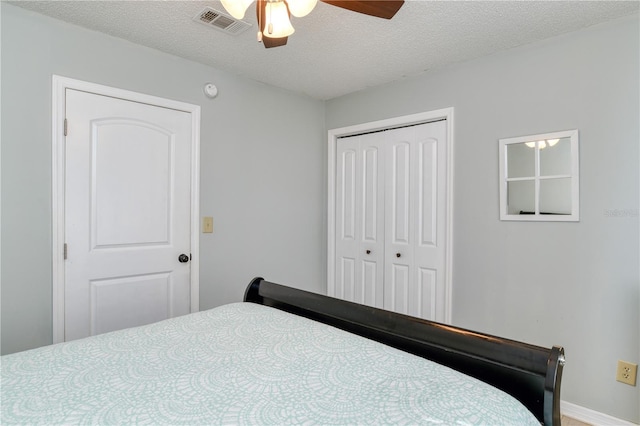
{"x":423,"y":117}
{"x":58,"y":108}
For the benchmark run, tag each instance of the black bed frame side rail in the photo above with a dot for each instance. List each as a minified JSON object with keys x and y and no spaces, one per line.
{"x":532,"y":374}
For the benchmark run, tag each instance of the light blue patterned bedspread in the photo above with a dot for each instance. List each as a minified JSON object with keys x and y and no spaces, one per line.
{"x":242,"y":364}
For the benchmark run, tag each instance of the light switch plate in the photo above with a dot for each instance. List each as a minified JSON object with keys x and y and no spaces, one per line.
{"x":207,"y":225}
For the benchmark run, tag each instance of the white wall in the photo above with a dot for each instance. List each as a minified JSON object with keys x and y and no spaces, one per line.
{"x":572,"y":284}
{"x":262,"y":175}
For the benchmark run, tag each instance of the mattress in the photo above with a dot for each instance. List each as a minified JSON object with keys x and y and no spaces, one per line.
{"x":242,"y":363}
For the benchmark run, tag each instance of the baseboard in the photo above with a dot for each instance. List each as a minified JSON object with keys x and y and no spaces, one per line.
{"x":592,"y":417}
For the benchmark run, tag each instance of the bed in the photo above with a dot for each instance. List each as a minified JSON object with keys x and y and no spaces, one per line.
{"x":285,"y":356}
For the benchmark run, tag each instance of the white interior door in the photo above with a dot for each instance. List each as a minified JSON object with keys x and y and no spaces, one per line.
{"x":127,"y":213}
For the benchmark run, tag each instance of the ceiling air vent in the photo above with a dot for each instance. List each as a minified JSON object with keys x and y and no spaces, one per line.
{"x":221,"y":21}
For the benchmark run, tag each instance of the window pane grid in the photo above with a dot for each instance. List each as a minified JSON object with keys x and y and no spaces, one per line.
{"x":539,"y":177}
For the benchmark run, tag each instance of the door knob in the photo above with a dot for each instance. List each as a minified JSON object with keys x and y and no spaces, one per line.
{"x":183,"y":258}
{"x":368,"y":252}
{"x":397,"y":254}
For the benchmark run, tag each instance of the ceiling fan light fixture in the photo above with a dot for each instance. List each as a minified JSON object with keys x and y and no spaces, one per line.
{"x":236,"y":8}
{"x":300,"y":8}
{"x":277,"y":23}
{"x":543,"y":143}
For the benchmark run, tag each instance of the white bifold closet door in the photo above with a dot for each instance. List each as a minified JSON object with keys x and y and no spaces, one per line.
{"x":390,"y":219}
{"x":360,"y":239}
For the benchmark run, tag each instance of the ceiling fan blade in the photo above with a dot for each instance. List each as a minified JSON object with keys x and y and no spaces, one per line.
{"x":261,"y":6}
{"x":379,"y":8}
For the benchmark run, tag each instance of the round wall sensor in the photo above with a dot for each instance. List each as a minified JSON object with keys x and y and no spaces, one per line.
{"x":210,"y":90}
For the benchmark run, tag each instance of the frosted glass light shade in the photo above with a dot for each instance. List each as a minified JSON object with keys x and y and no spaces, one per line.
{"x":542,"y":144}
{"x":236,"y":8}
{"x":300,"y":8}
{"x":277,"y":23}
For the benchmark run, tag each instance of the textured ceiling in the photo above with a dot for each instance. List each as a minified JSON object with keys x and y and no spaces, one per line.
{"x":334,"y":51}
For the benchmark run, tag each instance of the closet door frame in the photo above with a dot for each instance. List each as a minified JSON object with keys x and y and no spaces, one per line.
{"x":424,"y":117}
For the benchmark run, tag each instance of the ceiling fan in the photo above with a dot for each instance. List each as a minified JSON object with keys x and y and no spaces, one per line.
{"x":273,"y":15}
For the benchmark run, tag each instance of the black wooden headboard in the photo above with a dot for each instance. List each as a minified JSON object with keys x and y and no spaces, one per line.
{"x":531,"y":374}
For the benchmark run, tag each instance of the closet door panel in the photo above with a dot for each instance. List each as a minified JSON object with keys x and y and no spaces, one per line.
{"x":346,"y":219}
{"x":430,"y":220}
{"x":372,"y":221}
{"x":346,"y":279}
{"x":347,"y":196}
{"x":370,"y":291}
{"x":370,"y":194}
{"x":423,"y":294}
{"x":398,"y":220}
{"x":397,"y":288}
{"x":360,"y":220}
{"x":427,"y":191}
{"x":415,"y":201}
{"x":398,"y":194}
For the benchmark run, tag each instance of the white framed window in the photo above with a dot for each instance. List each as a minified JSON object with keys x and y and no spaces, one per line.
{"x":539,"y":177}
